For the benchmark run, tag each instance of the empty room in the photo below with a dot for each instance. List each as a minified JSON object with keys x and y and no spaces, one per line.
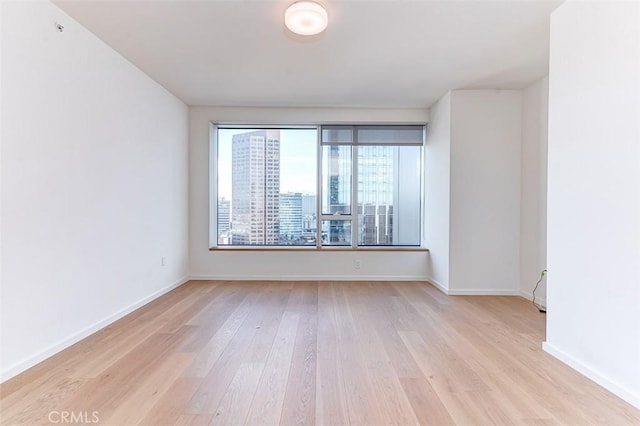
{"x":319,"y":212}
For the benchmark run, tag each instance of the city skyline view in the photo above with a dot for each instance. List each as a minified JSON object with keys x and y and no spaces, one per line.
{"x":260,"y":212}
{"x":267,"y":188}
{"x":297,"y":149}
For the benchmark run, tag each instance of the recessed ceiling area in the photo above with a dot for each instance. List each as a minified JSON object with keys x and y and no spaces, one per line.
{"x":373,"y":53}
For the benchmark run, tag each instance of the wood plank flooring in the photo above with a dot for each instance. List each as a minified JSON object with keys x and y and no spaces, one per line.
{"x":304,"y":353}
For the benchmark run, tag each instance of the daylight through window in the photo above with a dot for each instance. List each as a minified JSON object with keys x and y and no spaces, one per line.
{"x":266,"y":183}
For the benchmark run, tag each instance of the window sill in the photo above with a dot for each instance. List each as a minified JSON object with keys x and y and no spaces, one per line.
{"x":322,"y":249}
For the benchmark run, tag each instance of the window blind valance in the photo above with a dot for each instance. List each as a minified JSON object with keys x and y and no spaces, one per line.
{"x":372,"y":135}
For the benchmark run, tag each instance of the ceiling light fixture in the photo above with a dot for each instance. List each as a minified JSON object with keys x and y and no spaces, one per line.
{"x":306,"y":18}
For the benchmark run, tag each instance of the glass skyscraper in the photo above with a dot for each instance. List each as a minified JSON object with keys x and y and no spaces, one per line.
{"x":255,"y":188}
{"x":290,"y":216}
{"x":224,"y":220}
{"x":377,"y":166}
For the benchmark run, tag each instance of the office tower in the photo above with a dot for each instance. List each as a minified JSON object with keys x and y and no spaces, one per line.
{"x":224,"y":216}
{"x":290,"y":216}
{"x":376,"y":168}
{"x":339,"y":180}
{"x":309,"y":206}
{"x":255,"y":187}
{"x":309,"y":215}
{"x":339,"y":195}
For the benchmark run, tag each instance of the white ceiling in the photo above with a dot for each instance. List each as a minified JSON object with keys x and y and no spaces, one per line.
{"x":373,"y":54}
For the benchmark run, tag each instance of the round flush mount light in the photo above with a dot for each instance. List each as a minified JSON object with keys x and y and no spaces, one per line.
{"x":306,"y":18}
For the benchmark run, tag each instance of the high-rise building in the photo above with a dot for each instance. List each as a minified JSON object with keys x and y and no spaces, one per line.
{"x":309,"y":215}
{"x":309,"y":206}
{"x":339,"y":180}
{"x":339,"y":194}
{"x":224,"y":216}
{"x":377,"y":166}
{"x":290,"y":216}
{"x":255,"y":188}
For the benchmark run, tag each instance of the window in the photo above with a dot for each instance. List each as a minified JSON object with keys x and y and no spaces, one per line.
{"x":266,"y":182}
{"x":383,"y":166}
{"x":266,"y":186}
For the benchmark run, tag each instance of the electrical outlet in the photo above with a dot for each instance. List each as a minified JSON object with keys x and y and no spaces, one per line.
{"x":356,"y":264}
{"x":163,"y":261}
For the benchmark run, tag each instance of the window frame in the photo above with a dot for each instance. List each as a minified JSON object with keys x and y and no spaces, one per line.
{"x":213,"y":172}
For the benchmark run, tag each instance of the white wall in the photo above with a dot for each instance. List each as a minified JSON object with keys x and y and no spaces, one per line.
{"x":486,"y":132}
{"x":533,"y":190}
{"x":288,"y":264}
{"x":593,"y":252}
{"x":94,"y":185}
{"x":437,"y":179}
{"x":472,"y":164}
{"x":1,"y":149}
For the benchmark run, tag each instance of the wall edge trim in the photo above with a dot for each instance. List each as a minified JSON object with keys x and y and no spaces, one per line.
{"x":74,"y":338}
{"x":206,"y":277}
{"x":591,"y":373}
{"x":482,"y":292}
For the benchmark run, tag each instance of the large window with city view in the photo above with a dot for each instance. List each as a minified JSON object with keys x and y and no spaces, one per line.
{"x":267,"y":184}
{"x":266,"y":187}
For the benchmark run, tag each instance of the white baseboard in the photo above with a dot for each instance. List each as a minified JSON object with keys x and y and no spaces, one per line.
{"x":472,"y":292}
{"x":307,"y":278}
{"x":29,"y":362}
{"x":482,"y":292}
{"x":626,"y":394}
{"x":439,"y":286}
{"x":539,"y":300}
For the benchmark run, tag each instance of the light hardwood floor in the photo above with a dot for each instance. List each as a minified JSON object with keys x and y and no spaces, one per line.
{"x":314,"y":353}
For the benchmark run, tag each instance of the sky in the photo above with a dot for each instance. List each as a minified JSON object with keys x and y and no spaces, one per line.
{"x":298,"y":153}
